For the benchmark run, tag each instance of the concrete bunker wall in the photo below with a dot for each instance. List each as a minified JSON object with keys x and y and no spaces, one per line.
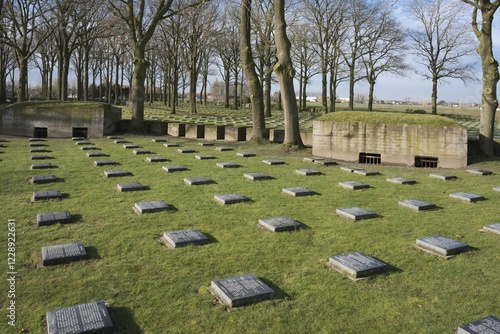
{"x":396,"y":143}
{"x":99,"y":120}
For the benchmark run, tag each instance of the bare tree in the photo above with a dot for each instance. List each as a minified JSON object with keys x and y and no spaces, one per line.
{"x":442,"y":42}
{"x":489,"y":64}
{"x":285,"y":72}
{"x":253,"y":82}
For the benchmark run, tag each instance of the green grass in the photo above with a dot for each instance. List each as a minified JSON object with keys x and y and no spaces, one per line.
{"x":152,"y":289}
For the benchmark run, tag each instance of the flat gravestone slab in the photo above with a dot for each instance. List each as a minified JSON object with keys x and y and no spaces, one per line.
{"x":353,"y":185}
{"x":401,"y":180}
{"x":116,"y":173}
{"x":186,"y":150}
{"x":39,"y":150}
{"x":84,"y":318}
{"x":171,"y":145}
{"x":206,"y":144}
{"x":182,"y":238}
{"x":273,"y":162}
{"x":479,"y":171}
{"x":134,"y":186}
{"x":241,"y":290}
{"x":350,"y":169}
{"x":228,"y":165}
{"x":204,"y":157}
{"x":356,"y":213}
{"x":494,"y":228}
{"x":325,"y":162}
{"x":279,"y":224}
{"x":246,"y":154}
{"x":195,"y":181}
{"x":50,"y":218}
{"x":149,"y":207}
{"x":171,"y":169}
{"x":38,"y":179}
{"x":230,"y":198}
{"x":114,"y":137}
{"x":496,"y":188}
{"x":37,"y":144}
{"x":78,"y":138}
{"x":467,"y":197}
{"x":417,"y":205}
{"x":89,"y":148}
{"x":95,"y":154}
{"x":223,"y":149}
{"x":158,"y":140}
{"x":356,"y":265}
{"x":366,"y":172}
{"x":487,"y":325}
{"x":84,"y":142}
{"x":312,"y":159}
{"x":298,"y":191}
{"x":40,"y":157}
{"x":42,"y":166}
{"x":441,"y":245}
{"x":121,"y":141}
{"x":257,"y":176}
{"x":62,"y":253}
{"x":47,"y":194}
{"x":104,"y":162}
{"x":130,"y":146}
{"x":138,"y":152}
{"x":307,"y":172}
{"x":443,"y":176}
{"x":36,"y":139}
{"x":156,"y":159}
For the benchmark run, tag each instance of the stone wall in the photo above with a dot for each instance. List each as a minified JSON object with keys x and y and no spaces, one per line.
{"x":396,"y":143}
{"x":21,"y":120}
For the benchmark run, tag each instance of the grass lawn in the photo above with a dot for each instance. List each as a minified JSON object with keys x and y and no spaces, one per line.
{"x":153,"y":289}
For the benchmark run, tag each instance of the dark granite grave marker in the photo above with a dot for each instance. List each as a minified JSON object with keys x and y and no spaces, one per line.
{"x":241,"y":290}
{"x":298,"y":191}
{"x":116,"y":173}
{"x":273,"y":162}
{"x":228,"y":165}
{"x":279,"y":224}
{"x":441,"y":245}
{"x":36,"y":139}
{"x":37,"y":144}
{"x":357,"y":265}
{"x":50,"y":218}
{"x":84,"y":318}
{"x":39,"y":150}
{"x":186,"y":150}
{"x":325,"y":162}
{"x":230,"y":198}
{"x":134,"y":186}
{"x":401,"y":180}
{"x":257,"y":176}
{"x":356,"y":213}
{"x":38,"y":179}
{"x":42,"y":166}
{"x":312,"y":159}
{"x":246,"y":154}
{"x":78,"y":138}
{"x":479,"y":171}
{"x":121,"y":141}
{"x":350,"y":169}
{"x":130,"y":146}
{"x":47,"y":194}
{"x":149,"y":207}
{"x":204,"y":157}
{"x":443,"y":176}
{"x":171,"y":169}
{"x":114,"y":137}
{"x":158,"y":140}
{"x":493,"y":228}
{"x":206,"y":144}
{"x":307,"y":172}
{"x":156,"y":159}
{"x":171,"y":145}
{"x":417,"y":205}
{"x":95,"y":154}
{"x":487,"y":325}
{"x":138,"y":152}
{"x":195,"y":181}
{"x":85,"y":142}
{"x":223,"y":149}
{"x":89,"y":148}
{"x":467,"y":197}
{"x":182,"y":238}
{"x":40,"y":157}
{"x":366,"y":172}
{"x":104,"y":162}
{"x":353,"y":185}
{"x":62,"y":253}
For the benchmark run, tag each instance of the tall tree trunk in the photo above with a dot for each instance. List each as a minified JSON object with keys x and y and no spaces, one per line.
{"x":267,"y":94}
{"x":226,"y":87}
{"x":324,"y":88}
{"x":253,"y":83}
{"x":192,"y":91}
{"x":23,"y":78}
{"x":352,"y":69}
{"x":370,"y":95}
{"x":86,"y":76}
{"x":285,"y":73}
{"x":137,"y":90}
{"x":117,"y":77}
{"x":235,"y":89}
{"x":434,"y":94}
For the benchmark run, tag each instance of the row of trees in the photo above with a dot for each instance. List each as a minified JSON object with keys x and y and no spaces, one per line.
{"x":175,"y":44}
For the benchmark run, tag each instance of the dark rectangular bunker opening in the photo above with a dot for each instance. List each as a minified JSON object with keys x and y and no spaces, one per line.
{"x":80,"y":132}
{"x":242,"y":134}
{"x":200,"y":131}
{"x":221,"y":132}
{"x":426,"y":162}
{"x":40,"y":132}
{"x":182,"y":130}
{"x":370,"y":158}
